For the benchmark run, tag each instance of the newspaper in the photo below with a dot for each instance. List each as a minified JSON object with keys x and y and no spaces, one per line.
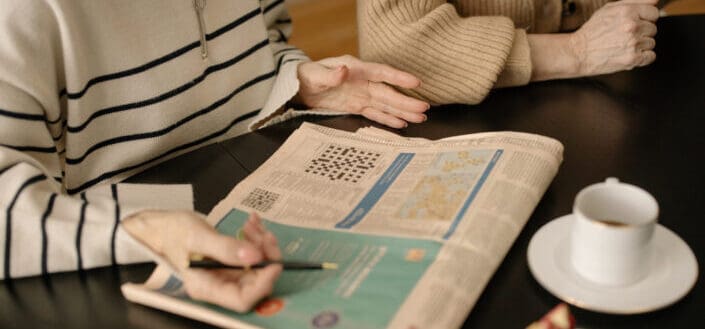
{"x":418,"y":226}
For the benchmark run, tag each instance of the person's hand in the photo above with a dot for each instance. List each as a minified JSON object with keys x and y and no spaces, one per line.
{"x":350,"y":85}
{"x":619,"y":36}
{"x":179,"y":235}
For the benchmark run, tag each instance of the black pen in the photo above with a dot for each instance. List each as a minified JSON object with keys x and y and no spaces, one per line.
{"x":288,"y":265}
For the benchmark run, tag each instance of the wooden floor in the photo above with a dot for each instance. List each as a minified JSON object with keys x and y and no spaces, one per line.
{"x":325,"y":28}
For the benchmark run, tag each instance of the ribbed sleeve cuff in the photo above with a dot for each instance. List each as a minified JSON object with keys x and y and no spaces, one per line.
{"x":520,"y":11}
{"x":286,"y":85}
{"x":457,"y":59}
{"x":517,"y":69}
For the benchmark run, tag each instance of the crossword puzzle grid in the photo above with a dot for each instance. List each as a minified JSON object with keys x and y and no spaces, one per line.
{"x":344,"y":163}
{"x":260,"y":199}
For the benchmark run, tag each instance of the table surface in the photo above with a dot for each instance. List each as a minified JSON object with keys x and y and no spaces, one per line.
{"x":642,"y":126}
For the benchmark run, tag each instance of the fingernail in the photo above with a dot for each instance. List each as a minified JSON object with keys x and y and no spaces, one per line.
{"x":247,"y":255}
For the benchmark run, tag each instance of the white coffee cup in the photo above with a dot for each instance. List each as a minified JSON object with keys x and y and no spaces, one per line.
{"x":613,"y":224}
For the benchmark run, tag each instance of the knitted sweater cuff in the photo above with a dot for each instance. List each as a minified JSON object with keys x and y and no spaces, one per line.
{"x":286,"y":86}
{"x":517,"y":68}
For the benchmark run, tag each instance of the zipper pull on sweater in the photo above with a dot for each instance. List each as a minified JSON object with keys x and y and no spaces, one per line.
{"x":199,"y":5}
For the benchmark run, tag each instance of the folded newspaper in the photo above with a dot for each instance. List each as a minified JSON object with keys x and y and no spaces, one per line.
{"x":417,"y":227}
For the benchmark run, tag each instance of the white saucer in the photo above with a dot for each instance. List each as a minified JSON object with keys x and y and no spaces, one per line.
{"x":673,"y":272}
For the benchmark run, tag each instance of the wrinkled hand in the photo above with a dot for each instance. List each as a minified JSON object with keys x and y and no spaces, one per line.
{"x":350,"y":85}
{"x":178,"y":235}
{"x":619,"y":36}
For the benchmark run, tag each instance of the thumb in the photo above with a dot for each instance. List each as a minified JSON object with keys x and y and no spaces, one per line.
{"x":336,"y":76}
{"x":319,"y":77}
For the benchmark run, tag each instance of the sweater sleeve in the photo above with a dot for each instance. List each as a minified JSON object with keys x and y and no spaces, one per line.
{"x":286,"y":58}
{"x":459,"y":59}
{"x":42,"y":228}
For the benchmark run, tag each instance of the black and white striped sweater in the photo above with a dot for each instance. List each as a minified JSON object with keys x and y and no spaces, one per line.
{"x":92,"y":92}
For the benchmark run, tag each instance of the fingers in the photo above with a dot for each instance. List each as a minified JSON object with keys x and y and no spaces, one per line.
{"x":389,"y":100}
{"x":271,"y":247}
{"x":645,"y":44}
{"x":377,"y":72}
{"x":636,"y":9}
{"x":646,"y":29}
{"x":643,"y":53}
{"x":647,"y":58}
{"x":383,"y":118}
{"x":385,"y":73}
{"x":401,"y":114}
{"x":258,"y":234}
{"x":388,"y":95}
{"x":360,"y":87}
{"x":373,"y":71}
{"x":225,"y":248}
{"x":236,"y":290}
{"x":637,"y":59}
{"x":647,"y":12}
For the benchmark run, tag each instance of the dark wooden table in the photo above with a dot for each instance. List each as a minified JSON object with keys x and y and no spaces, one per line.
{"x":644,"y":126}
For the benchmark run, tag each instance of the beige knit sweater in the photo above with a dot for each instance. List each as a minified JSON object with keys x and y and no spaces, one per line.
{"x":461,"y":49}
{"x":94,"y":91}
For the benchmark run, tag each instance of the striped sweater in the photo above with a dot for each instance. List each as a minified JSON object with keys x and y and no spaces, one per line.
{"x":461,"y":49}
{"x":92,"y":92}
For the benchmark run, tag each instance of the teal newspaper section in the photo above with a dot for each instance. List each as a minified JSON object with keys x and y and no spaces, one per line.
{"x":375,"y":276}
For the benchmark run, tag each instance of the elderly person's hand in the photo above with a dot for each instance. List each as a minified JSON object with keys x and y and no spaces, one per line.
{"x":618,"y":36}
{"x":350,"y":85}
{"x":178,"y":235}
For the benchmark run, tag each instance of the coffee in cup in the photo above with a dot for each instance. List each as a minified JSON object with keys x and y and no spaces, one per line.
{"x":613,"y":223}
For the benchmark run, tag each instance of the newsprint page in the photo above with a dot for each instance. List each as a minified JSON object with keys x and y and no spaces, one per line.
{"x":417,"y":227}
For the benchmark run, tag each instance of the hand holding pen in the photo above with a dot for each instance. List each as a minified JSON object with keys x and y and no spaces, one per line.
{"x":173,"y":236}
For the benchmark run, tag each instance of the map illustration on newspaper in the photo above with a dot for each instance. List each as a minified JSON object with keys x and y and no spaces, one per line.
{"x":417,"y":227}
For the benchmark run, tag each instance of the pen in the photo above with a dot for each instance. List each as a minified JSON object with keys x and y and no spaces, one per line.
{"x":288,"y":265}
